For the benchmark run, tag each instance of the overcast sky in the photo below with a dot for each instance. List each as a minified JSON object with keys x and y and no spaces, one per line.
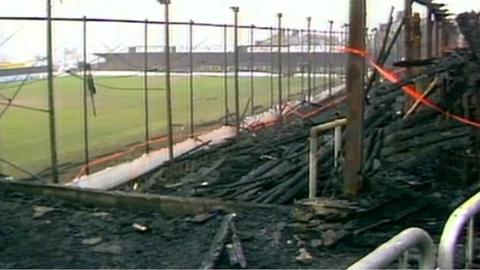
{"x":30,"y":38}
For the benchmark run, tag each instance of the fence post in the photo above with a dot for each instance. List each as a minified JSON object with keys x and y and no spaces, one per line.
{"x":314,"y":66}
{"x":237,"y":86}
{"x":85,"y":105}
{"x":271,"y":68}
{"x":289,"y":60}
{"x":225,"y":73}
{"x":145,"y":86}
{"x":279,"y":45}
{"x":325,"y":61}
{"x":252,"y":84}
{"x":309,"y":41}
{"x":51,"y":96}
{"x":168,"y":84}
{"x":302,"y":64}
{"x":190,"y":40}
{"x":330,"y":57}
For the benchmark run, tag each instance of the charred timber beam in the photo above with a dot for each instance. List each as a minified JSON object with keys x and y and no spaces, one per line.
{"x":355,"y":100}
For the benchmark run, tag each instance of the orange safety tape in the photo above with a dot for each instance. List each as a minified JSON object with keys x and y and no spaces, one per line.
{"x":409,"y":89}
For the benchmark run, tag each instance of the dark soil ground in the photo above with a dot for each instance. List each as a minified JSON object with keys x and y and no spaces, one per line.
{"x":54,"y":239}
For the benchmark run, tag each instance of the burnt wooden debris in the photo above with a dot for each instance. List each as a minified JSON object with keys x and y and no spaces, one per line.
{"x":271,"y":166}
{"x":406,"y":156}
{"x":227,"y":230}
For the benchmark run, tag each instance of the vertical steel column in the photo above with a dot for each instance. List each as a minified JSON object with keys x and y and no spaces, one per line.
{"x":408,"y":30}
{"x":225,"y":73}
{"x":355,"y":100}
{"x":279,"y":46}
{"x":252,"y":83}
{"x":409,"y":44}
{"x":85,"y":105}
{"x":429,"y":31}
{"x":168,"y":85}
{"x":309,"y":41}
{"x":330,"y":58}
{"x":272,"y":68}
{"x":289,"y":64}
{"x":237,"y":86}
{"x":51,"y":96}
{"x":190,"y":44}
{"x":145,"y":87}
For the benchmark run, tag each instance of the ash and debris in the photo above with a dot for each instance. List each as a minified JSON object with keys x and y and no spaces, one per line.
{"x":42,"y":232}
{"x":409,"y":180}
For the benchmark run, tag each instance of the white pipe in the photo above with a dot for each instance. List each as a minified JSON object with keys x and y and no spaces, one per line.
{"x":383,"y":256}
{"x":315,"y":132}
{"x":453,"y":230}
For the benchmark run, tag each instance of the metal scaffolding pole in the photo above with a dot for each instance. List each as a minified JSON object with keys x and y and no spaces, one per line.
{"x":355,"y":100}
{"x":429,"y":49}
{"x":252,"y":83}
{"x":145,"y":87}
{"x":314,"y":67}
{"x":237,"y":86}
{"x":190,"y":81}
{"x":330,"y":57}
{"x":289,"y":61}
{"x":225,"y":73}
{"x":279,"y":46}
{"x":272,"y":68}
{"x":302,"y":65}
{"x":85,"y":104}
{"x":409,"y":43}
{"x":51,"y":96}
{"x":168,"y":84}
{"x":309,"y":48}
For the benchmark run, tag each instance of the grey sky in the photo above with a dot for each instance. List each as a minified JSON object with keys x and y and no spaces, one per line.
{"x":30,"y":40}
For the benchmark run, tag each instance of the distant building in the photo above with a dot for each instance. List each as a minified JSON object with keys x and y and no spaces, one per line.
{"x":295,"y":58}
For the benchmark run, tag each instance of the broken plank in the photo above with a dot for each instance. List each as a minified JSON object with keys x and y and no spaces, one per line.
{"x":218,"y":243}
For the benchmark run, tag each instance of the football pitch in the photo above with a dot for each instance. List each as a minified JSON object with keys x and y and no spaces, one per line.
{"x":120,"y":114}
